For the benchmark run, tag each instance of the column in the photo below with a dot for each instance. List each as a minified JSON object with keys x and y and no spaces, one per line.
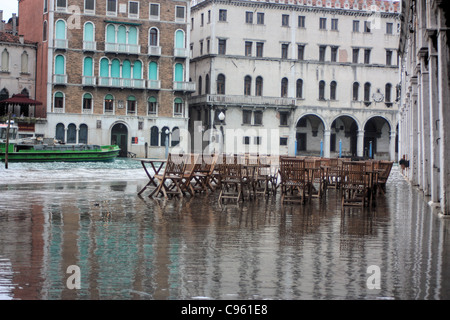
{"x":413,"y":133}
{"x":360,"y":143}
{"x":425,"y":137}
{"x":326,"y":143}
{"x":392,"y":136}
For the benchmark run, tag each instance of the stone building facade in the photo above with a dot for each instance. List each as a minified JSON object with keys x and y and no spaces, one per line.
{"x":303,"y":77}
{"x":113,"y":71}
{"x":424,"y":133}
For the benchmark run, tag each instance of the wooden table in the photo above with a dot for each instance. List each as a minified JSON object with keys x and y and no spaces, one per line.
{"x":156,"y":170}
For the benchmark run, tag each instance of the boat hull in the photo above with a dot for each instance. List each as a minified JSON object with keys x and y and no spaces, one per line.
{"x":105,"y":153}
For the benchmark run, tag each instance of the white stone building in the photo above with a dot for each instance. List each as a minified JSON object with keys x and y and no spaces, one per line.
{"x":296,"y":76}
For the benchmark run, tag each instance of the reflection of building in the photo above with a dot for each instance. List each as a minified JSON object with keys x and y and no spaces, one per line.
{"x":17,"y":71}
{"x":111,"y":70}
{"x":423,"y":133}
{"x":314,"y":70}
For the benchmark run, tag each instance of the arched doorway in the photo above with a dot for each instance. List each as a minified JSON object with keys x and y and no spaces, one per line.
{"x":119,"y":136}
{"x":376,"y":138}
{"x":309,"y":133}
{"x":344,"y":129}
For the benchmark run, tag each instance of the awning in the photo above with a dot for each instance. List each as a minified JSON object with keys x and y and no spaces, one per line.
{"x":20,"y":99}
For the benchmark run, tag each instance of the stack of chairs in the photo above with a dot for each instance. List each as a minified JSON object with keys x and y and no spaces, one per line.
{"x":294,"y":180}
{"x":170,"y":182}
{"x":355,"y":184}
{"x":233,"y":180}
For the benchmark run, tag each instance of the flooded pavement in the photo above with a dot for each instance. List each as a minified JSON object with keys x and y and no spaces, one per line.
{"x":130,"y":247}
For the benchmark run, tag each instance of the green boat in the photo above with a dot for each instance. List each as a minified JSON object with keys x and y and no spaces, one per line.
{"x":44,"y":152}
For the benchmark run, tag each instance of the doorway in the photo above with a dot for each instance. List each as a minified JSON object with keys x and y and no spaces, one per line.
{"x":119,"y":136}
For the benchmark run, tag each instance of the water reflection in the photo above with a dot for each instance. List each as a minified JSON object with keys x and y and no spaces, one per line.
{"x":130,"y":247}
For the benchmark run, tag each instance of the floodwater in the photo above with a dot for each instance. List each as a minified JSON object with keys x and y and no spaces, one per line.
{"x":53,"y":216}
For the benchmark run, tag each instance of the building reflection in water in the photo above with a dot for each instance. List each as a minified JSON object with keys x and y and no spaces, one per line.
{"x":130,"y":247}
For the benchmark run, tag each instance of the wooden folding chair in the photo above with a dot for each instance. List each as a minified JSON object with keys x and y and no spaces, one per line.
{"x":192,"y":166}
{"x":355,"y":184}
{"x":232,"y":181}
{"x":383,"y":176}
{"x":169,"y":183}
{"x":334,"y":173}
{"x":203,"y":174}
{"x":294,"y":180}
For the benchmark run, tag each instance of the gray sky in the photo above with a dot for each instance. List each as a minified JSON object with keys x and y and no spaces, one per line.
{"x":9,"y":7}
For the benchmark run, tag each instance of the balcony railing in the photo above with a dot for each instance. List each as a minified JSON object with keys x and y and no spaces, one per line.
{"x":123,"y":48}
{"x":89,"y":45}
{"x":61,"y":43}
{"x":154,"y":84}
{"x":244,"y":100}
{"x":121,"y":83}
{"x":60,"y":79}
{"x":181,"y":52}
{"x":154,"y":50}
{"x":184,"y":86}
{"x":89,"y":81}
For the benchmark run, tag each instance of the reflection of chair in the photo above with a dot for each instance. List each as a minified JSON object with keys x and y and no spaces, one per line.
{"x":355,"y":184}
{"x":171,"y":180}
{"x":294,"y":179}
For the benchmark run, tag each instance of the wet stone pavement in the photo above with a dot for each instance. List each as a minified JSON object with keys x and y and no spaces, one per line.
{"x":131,"y":247}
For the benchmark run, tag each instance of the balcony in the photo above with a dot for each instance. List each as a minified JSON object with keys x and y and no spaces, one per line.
{"x":60,"y":79}
{"x":89,"y":81}
{"x":123,"y":48}
{"x":121,"y":83}
{"x":244,"y":100}
{"x":181,"y":52}
{"x":154,"y":51}
{"x":61,"y":44}
{"x":154,"y":84}
{"x":184,"y":86}
{"x":89,"y":45}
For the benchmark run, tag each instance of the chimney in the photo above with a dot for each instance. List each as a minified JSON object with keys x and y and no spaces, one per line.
{"x":2,"y":25}
{"x":14,"y":24}
{"x":21,"y":39}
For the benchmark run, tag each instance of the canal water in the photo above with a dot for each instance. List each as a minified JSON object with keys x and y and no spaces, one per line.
{"x":126,"y":247}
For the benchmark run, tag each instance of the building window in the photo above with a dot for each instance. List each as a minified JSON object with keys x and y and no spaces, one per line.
{"x":209,"y":16}
{"x":58,"y":102}
{"x":4,"y":94}
{"x":333,"y":85}
{"x":152,"y":106}
{"x":246,"y":140}
{"x":249,"y":17}
{"x":83,"y":134}
{"x":258,"y":86}
{"x":222,"y":15}
{"x":367,"y":26}
{"x":355,"y":55}
{"x":45,"y":6}
{"x":154,"y":11}
{"x":207,"y":84}
{"x":283,"y":141}
{"x":44,"y":31}
{"x":61,"y":5}
{"x":334,"y":24}
{"x":367,"y":92}
{"x":301,"y":52}
{"x":246,"y":117}
{"x":258,"y":118}
{"x":175,"y":137}
{"x":111,"y":7}
{"x":5,"y":61}
{"x":323,"y":23}
{"x":299,"y":91}
{"x":366,"y":56}
{"x":109,"y":103}
{"x":89,"y":6}
{"x":389,"y":28}
{"x":284,"y":87}
{"x":285,"y":20}
{"x":284,"y":50}
{"x":60,"y":132}
{"x":222,"y":46}
{"x":200,"y":85}
{"x":388,"y":92}
{"x":322,"y":52}
{"x":180,"y":13}
{"x":322,"y":90}
{"x":355,"y":25}
{"x":87,"y":102}
{"x":154,"y":41}
{"x":178,"y":107}
{"x":202,"y":19}
{"x":334,"y":51}
{"x":260,"y":18}
{"x":284,"y":116}
{"x":388,"y":57}
{"x":71,"y":133}
{"x":301,"y":21}
{"x":258,"y":140}
{"x":355,"y":91}
{"x":247,"y":85}
{"x":248,"y":48}
{"x":133,"y":9}
{"x":131,"y":105}
{"x":201,"y":47}
{"x":154,"y":136}
{"x":259,"y":49}
{"x":220,"y":84}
